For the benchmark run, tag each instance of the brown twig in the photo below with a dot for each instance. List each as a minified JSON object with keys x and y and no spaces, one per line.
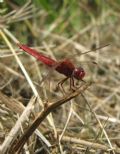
{"x":43,"y":114}
{"x":18,"y":108}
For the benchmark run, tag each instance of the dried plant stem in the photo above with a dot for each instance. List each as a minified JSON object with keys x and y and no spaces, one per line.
{"x":47,"y":110}
{"x":15,"y":130}
{"x":5,"y":31}
{"x":101,"y":126}
{"x":19,"y":62}
{"x":18,"y":107}
{"x":88,"y":144}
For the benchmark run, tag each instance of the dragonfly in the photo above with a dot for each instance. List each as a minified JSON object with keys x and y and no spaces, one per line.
{"x":65,"y":67}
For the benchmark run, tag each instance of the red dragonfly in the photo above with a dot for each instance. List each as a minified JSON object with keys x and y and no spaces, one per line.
{"x":65,"y":66}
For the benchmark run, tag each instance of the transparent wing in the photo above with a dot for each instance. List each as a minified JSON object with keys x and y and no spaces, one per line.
{"x":86,"y":52}
{"x":50,"y":71}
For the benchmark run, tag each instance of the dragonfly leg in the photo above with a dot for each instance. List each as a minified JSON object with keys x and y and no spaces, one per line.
{"x":83,"y":81}
{"x":72,"y":84}
{"x":60,"y":84}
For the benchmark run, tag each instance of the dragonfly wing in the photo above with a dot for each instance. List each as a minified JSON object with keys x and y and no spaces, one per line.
{"x":64,"y":67}
{"x":50,"y":71}
{"x":86,"y":52}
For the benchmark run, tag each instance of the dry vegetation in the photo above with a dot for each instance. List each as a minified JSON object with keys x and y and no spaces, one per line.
{"x":86,"y":121}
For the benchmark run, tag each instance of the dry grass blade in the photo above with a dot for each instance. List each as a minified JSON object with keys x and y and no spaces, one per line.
{"x":12,"y":104}
{"x":18,"y":107}
{"x":19,"y":62}
{"x":15,"y":130}
{"x":88,"y":144}
{"x":61,"y":29}
{"x":11,"y":71}
{"x":23,"y":13}
{"x":50,"y":119}
{"x":101,"y":126}
{"x":48,"y":109}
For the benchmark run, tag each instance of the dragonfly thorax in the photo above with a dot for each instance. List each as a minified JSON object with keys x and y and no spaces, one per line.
{"x":79,"y":73}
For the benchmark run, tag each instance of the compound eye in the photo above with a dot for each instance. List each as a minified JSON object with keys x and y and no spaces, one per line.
{"x":79,"y":73}
{"x":82,"y":74}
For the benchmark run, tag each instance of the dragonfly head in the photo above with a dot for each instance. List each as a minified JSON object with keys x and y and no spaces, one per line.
{"x":79,"y":73}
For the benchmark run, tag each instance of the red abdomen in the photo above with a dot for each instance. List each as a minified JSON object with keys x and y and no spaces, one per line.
{"x":65,"y":67}
{"x":46,"y":60}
